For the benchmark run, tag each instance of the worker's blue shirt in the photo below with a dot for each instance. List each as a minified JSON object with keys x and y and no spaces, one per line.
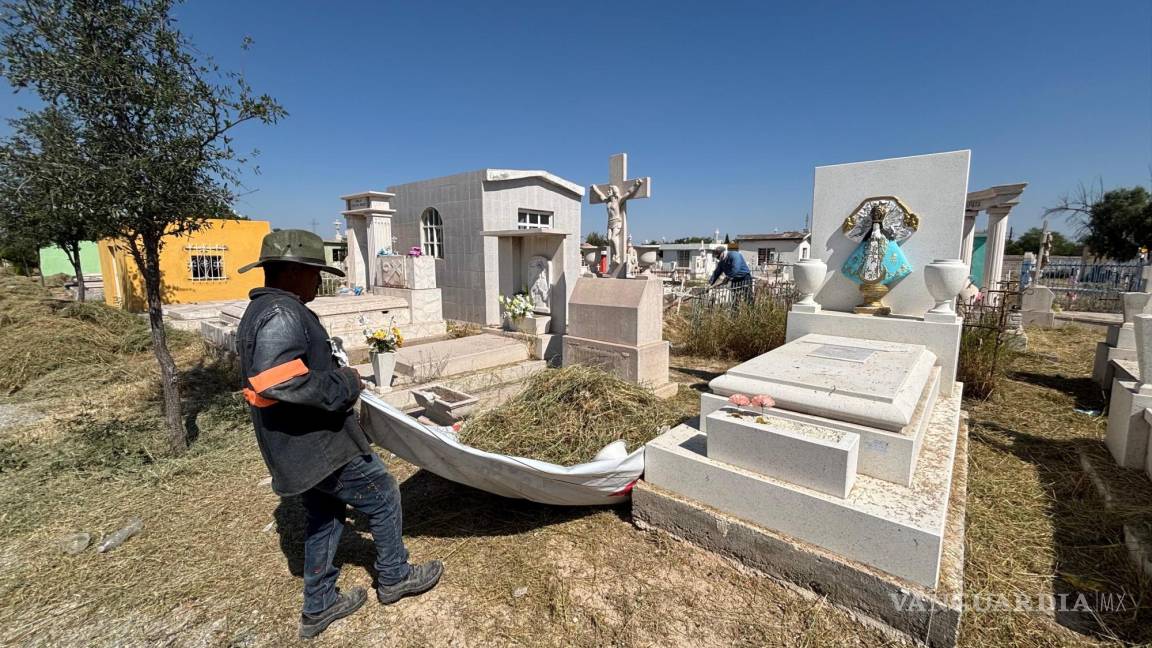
{"x":733,"y":266}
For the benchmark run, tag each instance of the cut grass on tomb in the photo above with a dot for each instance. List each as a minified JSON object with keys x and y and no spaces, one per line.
{"x":565,"y":416}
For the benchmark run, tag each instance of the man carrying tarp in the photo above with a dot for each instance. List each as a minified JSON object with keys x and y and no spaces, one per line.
{"x":302,"y":404}
{"x":735,"y":271}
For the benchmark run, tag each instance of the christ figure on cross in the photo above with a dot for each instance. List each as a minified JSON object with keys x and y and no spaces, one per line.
{"x":613,"y":200}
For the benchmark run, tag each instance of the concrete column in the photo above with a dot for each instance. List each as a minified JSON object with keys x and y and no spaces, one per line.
{"x":356,"y":234}
{"x":969,"y":237}
{"x":994,"y":247}
{"x":379,"y":238}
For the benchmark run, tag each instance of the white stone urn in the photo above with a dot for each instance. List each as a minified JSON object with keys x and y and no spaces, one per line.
{"x":945,"y":279}
{"x":383,"y":366}
{"x":647,"y":255}
{"x":809,"y":275}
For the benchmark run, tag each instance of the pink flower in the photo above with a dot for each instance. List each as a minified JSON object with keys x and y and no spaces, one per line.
{"x":763,"y":401}
{"x":739,"y":400}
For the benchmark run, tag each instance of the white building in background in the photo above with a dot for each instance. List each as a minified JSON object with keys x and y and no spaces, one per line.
{"x":691,"y":259}
{"x":762,"y":251}
{"x":493,"y":232}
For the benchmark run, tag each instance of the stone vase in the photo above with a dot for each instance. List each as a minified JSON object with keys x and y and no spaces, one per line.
{"x":945,"y":279}
{"x":647,"y":255}
{"x":383,"y":367}
{"x":809,"y":275}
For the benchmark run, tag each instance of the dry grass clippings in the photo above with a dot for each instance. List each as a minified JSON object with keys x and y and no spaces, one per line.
{"x":565,"y":416}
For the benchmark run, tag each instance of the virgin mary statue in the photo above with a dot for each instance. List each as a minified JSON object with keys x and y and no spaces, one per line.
{"x":880,"y":224}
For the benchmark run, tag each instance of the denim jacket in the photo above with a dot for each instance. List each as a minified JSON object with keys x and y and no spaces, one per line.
{"x":301,"y":402}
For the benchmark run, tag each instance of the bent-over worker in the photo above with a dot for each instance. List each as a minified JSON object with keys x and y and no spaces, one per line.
{"x":734,"y":270}
{"x":302,"y":405}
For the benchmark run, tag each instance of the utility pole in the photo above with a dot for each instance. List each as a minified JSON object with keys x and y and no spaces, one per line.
{"x":313,"y":225}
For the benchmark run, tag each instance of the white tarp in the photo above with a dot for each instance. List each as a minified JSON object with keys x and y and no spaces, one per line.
{"x":607,"y":479}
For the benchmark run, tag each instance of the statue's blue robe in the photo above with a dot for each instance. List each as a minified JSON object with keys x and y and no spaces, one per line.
{"x":895,"y":264}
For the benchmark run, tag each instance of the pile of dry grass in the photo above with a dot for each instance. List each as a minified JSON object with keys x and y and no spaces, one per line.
{"x":567,"y":415}
{"x":41,"y":336}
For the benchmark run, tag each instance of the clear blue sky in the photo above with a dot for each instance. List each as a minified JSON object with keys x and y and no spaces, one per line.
{"x":728,"y":106}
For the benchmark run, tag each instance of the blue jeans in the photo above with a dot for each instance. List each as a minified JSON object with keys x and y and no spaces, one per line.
{"x":367,"y":486}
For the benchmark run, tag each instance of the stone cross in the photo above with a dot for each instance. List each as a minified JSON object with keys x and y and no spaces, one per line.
{"x":616,"y":194}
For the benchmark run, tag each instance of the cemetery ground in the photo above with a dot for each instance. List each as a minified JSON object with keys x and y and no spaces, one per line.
{"x":219,"y":559}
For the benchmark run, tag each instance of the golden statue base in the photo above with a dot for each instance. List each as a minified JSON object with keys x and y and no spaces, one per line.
{"x":873,"y":294}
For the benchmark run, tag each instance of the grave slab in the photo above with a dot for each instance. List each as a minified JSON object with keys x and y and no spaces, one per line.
{"x":883,"y":454}
{"x":1102,"y":367}
{"x":821,"y":458}
{"x":1126,"y":370}
{"x":929,"y":616}
{"x":941,"y":338}
{"x":1127,"y":435}
{"x":897,"y":529}
{"x":1122,"y":336}
{"x":434,"y":360}
{"x":870,"y":382}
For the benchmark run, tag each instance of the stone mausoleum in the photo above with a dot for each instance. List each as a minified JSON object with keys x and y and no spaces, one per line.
{"x":490,"y":232}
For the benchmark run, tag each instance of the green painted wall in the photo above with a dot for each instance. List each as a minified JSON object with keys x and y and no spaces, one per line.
{"x":977,"y":269}
{"x":53,"y":261}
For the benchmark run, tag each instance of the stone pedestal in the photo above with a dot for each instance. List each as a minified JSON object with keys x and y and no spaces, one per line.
{"x":369,"y":230}
{"x":1120,"y":344}
{"x":412,"y":279}
{"x":618,"y":324}
{"x":1127,"y":435}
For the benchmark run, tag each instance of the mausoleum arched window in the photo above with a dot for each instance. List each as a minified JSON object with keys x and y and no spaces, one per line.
{"x":432,"y":233}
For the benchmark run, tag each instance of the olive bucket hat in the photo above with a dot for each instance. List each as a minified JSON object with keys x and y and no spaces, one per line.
{"x":293,"y":246}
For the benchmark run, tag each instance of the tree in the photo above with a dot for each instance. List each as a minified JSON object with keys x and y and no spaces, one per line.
{"x":42,"y":186}
{"x":21,"y":253}
{"x":695,"y":239}
{"x":156,"y":124}
{"x":1030,"y":242}
{"x":1117,"y":223}
{"x":597,"y":239}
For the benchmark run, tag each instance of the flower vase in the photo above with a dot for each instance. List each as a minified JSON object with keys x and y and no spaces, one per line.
{"x":945,"y":278}
{"x":809,"y":276}
{"x":383,"y":366}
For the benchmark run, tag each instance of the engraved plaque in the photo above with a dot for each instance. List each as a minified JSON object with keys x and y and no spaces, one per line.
{"x":839,"y":352}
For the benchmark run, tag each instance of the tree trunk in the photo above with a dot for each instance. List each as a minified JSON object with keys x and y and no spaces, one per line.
{"x":149,"y":262}
{"x":72,"y":251}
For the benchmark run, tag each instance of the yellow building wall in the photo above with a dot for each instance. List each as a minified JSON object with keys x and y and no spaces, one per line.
{"x":236,"y":242}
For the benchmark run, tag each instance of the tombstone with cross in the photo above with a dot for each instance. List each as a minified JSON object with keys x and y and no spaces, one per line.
{"x":615,"y":194}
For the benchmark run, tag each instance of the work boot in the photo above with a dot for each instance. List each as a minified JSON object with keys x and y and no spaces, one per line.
{"x":313,"y":624}
{"x":420,"y":579}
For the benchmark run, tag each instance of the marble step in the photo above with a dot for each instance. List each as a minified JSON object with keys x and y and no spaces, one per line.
{"x":438,"y":360}
{"x":492,"y":385}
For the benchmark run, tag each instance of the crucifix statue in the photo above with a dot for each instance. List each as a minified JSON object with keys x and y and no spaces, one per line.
{"x":615,"y":195}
